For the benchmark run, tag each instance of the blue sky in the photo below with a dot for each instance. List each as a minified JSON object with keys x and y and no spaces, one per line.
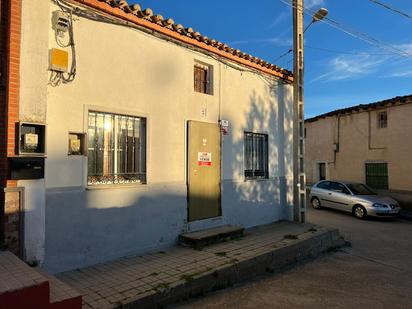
{"x":340,"y":70}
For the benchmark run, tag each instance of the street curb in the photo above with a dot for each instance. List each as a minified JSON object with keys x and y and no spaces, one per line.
{"x":289,"y":252}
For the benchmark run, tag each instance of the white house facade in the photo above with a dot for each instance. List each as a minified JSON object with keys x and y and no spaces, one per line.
{"x":147,"y":129}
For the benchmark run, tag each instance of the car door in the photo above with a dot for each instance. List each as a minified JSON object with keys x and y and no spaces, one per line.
{"x":339,"y":197}
{"x":322,"y":192}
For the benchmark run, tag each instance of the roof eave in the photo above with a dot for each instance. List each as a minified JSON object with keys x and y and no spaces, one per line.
{"x":118,"y":9}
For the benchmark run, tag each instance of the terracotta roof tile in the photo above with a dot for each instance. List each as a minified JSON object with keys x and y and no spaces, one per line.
{"x":365,"y":107}
{"x":135,"y":10}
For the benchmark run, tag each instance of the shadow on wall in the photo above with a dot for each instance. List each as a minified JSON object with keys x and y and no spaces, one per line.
{"x":85,"y":227}
{"x":263,"y":201}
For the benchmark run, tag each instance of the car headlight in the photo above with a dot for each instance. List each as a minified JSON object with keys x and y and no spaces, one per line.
{"x":379,"y":205}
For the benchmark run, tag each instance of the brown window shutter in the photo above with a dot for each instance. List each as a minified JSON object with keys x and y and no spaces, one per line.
{"x":203,"y":80}
{"x":200,"y":79}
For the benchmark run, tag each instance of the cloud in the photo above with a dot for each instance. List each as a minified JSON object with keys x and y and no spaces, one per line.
{"x":400,"y":67}
{"x":312,"y":3}
{"x":279,"y":19}
{"x":401,"y":74}
{"x":407,"y":48}
{"x":351,"y":66}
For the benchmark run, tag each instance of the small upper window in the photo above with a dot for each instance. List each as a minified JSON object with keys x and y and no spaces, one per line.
{"x":202,"y":78}
{"x":382,"y":120}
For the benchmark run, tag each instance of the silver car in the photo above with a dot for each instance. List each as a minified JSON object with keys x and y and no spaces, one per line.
{"x":356,"y":198}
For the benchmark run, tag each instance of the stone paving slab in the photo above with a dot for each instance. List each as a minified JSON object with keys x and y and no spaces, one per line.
{"x":163,"y":277}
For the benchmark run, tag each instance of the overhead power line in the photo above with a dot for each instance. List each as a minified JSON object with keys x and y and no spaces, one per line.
{"x":386,"y":6}
{"x":347,"y":52}
{"x":283,"y":55}
{"x":355,"y":33}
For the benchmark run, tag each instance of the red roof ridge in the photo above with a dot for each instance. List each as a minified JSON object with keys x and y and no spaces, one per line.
{"x":147,"y":18}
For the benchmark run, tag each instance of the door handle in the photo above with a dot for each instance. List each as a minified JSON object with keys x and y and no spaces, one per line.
{"x":330,"y":193}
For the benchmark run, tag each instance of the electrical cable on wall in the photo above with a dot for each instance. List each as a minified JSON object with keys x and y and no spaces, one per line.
{"x":92,"y":15}
{"x":56,"y":78}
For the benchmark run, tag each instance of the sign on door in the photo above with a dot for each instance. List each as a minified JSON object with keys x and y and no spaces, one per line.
{"x":204,"y":158}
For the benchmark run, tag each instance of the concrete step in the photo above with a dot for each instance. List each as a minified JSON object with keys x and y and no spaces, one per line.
{"x":203,"y":238}
{"x":22,"y":286}
{"x":61,"y":295}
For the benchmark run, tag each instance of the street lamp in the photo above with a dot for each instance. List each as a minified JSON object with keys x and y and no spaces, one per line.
{"x":319,"y":15}
{"x":299,"y":177}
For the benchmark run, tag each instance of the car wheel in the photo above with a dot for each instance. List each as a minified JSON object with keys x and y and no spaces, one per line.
{"x":360,"y":212}
{"x":315,"y":203}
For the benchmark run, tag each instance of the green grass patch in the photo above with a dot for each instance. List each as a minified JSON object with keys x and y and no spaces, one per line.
{"x":161,"y":286}
{"x":187,"y":277}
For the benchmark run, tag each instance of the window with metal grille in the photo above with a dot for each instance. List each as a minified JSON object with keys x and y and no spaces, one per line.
{"x":382,"y":120}
{"x":116,"y":149}
{"x":377,"y":175}
{"x":202,"y":79}
{"x":256,"y":155}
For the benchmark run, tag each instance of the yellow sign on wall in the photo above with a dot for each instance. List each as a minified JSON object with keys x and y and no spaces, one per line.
{"x":59,"y":60}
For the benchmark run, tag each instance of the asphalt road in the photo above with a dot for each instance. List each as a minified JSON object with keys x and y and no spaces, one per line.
{"x":376,"y":272}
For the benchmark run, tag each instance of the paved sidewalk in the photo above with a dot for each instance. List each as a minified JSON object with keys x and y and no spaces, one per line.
{"x":126,"y":281}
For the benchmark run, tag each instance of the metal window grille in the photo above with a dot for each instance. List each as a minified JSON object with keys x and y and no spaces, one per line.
{"x":256,"y":155}
{"x":201,"y":79}
{"x":377,"y":175}
{"x":116,"y":149}
{"x":382,"y":120}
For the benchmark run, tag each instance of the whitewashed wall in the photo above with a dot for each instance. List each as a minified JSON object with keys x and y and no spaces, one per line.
{"x":126,"y":71}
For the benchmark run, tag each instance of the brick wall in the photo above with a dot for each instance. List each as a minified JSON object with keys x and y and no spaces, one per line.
{"x":10,"y":27}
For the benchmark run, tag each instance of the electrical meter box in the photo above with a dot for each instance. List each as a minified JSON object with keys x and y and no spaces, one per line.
{"x":32,"y":139}
{"x":77,"y":144}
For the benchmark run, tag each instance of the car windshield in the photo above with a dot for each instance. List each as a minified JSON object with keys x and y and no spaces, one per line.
{"x":360,"y":189}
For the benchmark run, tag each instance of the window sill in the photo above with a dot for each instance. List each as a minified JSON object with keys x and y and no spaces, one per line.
{"x":257,"y":179}
{"x":116,"y":186}
{"x":204,"y":93}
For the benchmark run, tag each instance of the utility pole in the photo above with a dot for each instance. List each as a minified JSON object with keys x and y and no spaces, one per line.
{"x":299,"y":178}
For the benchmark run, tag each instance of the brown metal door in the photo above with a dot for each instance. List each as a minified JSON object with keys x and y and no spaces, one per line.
{"x":203,"y":170}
